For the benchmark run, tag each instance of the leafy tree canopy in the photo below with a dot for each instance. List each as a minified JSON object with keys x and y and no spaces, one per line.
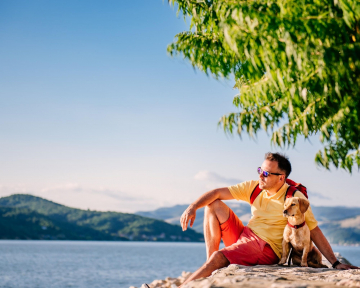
{"x":295,"y":63}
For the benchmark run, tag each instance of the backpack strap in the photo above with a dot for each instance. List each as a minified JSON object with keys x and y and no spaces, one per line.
{"x":298,"y":186}
{"x":290,"y":192}
{"x":255,"y":193}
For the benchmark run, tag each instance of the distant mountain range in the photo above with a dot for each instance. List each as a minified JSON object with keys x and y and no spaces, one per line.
{"x":28,"y":217}
{"x":340,"y":225}
{"x":25,"y":216}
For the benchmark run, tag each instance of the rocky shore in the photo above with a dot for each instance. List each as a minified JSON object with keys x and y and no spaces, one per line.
{"x":269,"y":276}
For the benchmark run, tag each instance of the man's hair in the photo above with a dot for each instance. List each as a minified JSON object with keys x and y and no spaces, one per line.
{"x":282,"y":160}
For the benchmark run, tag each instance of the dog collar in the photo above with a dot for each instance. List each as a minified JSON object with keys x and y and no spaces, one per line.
{"x":296,"y":226}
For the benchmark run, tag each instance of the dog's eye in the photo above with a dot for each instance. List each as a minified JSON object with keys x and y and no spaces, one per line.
{"x":292,"y":204}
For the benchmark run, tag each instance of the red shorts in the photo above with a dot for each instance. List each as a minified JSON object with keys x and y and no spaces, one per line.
{"x":244,"y":247}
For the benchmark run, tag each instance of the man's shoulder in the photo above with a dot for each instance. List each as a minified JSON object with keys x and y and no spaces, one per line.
{"x":243,"y":190}
{"x":253,"y":182}
{"x":246,"y":186}
{"x":250,"y":183}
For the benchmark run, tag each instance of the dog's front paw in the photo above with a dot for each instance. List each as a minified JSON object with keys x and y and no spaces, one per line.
{"x":282,"y":261}
{"x":304,"y":264}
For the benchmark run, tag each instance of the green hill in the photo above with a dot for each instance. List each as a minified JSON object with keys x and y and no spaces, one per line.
{"x":28,"y":217}
{"x":22,"y":223}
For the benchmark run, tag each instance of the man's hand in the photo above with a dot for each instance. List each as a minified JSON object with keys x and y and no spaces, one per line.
{"x":205,"y":199}
{"x":320,"y":241}
{"x":188,"y":215}
{"x":343,"y":266}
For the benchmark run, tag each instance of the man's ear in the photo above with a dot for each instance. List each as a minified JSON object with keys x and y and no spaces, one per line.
{"x":303,"y":205}
{"x":282,"y":178}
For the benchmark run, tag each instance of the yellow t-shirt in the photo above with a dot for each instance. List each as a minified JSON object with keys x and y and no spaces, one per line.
{"x":267,"y":219}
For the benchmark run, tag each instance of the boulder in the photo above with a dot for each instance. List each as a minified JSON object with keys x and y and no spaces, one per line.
{"x":273,"y":276}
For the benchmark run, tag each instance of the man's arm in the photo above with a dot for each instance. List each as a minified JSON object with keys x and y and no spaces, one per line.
{"x":204,"y":200}
{"x":323,"y":245}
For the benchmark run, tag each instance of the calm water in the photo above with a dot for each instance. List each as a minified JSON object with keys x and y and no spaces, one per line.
{"x":59,"y":264}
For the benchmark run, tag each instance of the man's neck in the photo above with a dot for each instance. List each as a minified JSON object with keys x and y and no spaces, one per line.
{"x":273,"y":191}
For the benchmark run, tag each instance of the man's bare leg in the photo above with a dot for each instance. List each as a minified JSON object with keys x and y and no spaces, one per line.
{"x":216,"y":261}
{"x":216,"y":213}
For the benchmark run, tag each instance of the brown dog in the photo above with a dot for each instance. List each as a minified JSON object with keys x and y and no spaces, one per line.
{"x":297,"y":235}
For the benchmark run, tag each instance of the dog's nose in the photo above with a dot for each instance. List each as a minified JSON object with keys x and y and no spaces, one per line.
{"x":285,"y":211}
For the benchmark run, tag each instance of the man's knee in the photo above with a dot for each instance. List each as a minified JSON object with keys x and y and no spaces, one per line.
{"x":218,"y":260}
{"x":216,"y":205}
{"x":219,"y":209}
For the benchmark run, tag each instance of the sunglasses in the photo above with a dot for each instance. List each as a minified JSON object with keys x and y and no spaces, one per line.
{"x":266,"y":173}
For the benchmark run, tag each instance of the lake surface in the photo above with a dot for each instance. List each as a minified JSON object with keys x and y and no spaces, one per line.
{"x":60,"y":264}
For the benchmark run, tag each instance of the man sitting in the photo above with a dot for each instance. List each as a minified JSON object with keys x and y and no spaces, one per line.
{"x":259,"y":243}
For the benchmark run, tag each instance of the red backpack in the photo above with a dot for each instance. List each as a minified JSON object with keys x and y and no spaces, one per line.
{"x":293,"y":187}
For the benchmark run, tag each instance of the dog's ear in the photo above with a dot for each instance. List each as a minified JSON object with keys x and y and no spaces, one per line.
{"x":303,"y":205}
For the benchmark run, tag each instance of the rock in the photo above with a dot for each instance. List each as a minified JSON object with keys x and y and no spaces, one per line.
{"x":168,"y":282}
{"x":185,"y":275}
{"x":157,"y":283}
{"x":273,"y":276}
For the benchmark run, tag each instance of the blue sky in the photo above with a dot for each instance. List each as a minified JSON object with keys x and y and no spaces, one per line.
{"x":95,"y":114}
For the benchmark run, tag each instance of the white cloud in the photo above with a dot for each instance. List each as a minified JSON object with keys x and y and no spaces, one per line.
{"x":215,"y":179}
{"x":318,"y":195}
{"x":75,"y":187}
{"x":6,"y":190}
{"x":64,"y":187}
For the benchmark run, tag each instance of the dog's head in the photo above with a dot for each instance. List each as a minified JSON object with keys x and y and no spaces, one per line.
{"x":295,"y":206}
